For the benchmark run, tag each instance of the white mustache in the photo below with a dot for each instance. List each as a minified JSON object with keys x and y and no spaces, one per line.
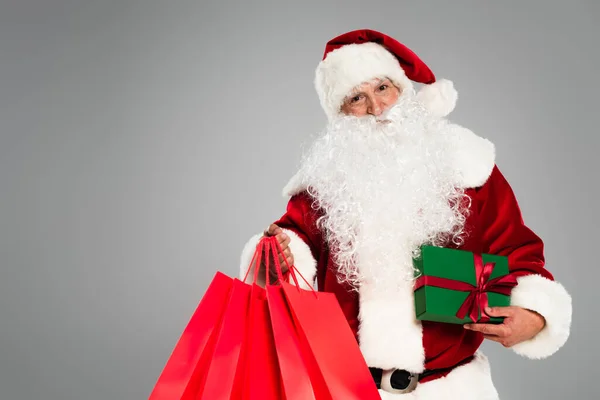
{"x":392,"y":113}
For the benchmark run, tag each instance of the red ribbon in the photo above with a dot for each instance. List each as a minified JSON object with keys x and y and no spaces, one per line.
{"x":477,"y":300}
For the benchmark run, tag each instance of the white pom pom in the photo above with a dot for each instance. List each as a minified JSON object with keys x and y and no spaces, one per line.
{"x":439,"y":97}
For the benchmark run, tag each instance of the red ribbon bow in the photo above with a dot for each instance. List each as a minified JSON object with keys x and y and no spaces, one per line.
{"x":477,"y":300}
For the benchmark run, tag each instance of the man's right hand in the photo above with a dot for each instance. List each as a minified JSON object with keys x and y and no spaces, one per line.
{"x":285,"y":254}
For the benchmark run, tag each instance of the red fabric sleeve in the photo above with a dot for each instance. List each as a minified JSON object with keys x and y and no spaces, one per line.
{"x":503,"y":230}
{"x":301,"y":219}
{"x":504,"y":233}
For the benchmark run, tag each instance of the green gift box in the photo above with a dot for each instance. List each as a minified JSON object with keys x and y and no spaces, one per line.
{"x":454,"y":286}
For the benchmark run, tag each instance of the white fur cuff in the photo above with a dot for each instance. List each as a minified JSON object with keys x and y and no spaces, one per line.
{"x":303,"y":260}
{"x":246,"y":259}
{"x":551,"y":300}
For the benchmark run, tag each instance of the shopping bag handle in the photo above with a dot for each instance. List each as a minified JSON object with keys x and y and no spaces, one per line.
{"x":292,"y":268}
{"x":270,"y":245}
{"x":256,"y":257}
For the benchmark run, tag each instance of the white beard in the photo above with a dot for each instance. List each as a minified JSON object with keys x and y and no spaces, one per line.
{"x":385,"y":189}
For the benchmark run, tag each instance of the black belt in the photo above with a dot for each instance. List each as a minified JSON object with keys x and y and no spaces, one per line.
{"x":404,"y":381}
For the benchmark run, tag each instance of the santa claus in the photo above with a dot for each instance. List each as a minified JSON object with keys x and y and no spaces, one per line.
{"x":389,"y":174}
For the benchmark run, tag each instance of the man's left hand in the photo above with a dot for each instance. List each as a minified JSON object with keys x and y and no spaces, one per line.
{"x":519,"y":325}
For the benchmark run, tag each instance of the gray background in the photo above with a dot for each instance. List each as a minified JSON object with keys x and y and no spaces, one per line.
{"x":143,"y":142}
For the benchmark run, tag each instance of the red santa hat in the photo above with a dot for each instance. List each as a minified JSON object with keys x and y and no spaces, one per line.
{"x":358,"y":56}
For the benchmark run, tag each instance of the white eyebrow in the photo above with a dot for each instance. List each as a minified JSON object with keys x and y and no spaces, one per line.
{"x":356,"y":91}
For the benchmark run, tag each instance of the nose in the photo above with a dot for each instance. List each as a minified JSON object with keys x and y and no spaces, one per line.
{"x":376,"y":107}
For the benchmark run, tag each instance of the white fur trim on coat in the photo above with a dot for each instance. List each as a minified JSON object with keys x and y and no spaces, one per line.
{"x":439,"y":97}
{"x":303,"y":260}
{"x":294,"y":186}
{"x":553,"y":302}
{"x":472,"y":381}
{"x":474,"y":156}
{"x":389,"y":334}
{"x":349,"y":66}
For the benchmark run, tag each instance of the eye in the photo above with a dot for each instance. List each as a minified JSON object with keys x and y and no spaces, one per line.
{"x":383,"y":87}
{"x":355,"y":99}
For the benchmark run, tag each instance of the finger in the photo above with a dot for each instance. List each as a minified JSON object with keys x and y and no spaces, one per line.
{"x":281,"y":257}
{"x":273,"y":276}
{"x":285,"y":254}
{"x":288,"y":261}
{"x":272,"y":230}
{"x":487,"y":329}
{"x":283,"y":251}
{"x":273,"y":269}
{"x":286,"y":257}
{"x":283,"y":239}
{"x":500,"y":311}
{"x":493,"y":337}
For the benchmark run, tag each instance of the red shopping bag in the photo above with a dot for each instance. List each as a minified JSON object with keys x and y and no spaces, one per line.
{"x":292,"y":355}
{"x":223,"y":370}
{"x":334,"y":352}
{"x":263,"y":377}
{"x":204,"y":363}
{"x":245,"y":342}
{"x":318,"y":354}
{"x":226,"y":351}
{"x":179,"y":378}
{"x":244,"y":364}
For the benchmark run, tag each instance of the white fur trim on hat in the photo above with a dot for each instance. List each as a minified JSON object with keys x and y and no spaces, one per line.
{"x":439,"y":97}
{"x":349,"y":66}
{"x":553,"y":302}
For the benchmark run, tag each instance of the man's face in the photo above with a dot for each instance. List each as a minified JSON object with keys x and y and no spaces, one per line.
{"x":371,"y":98}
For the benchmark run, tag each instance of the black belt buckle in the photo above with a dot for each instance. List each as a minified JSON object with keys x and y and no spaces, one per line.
{"x":402,"y":381}
{"x":397,"y":381}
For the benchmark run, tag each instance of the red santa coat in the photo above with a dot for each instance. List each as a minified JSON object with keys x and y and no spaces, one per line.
{"x":385,"y":325}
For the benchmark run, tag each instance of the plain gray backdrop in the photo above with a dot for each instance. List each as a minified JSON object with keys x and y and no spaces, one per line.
{"x":143,"y":142}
